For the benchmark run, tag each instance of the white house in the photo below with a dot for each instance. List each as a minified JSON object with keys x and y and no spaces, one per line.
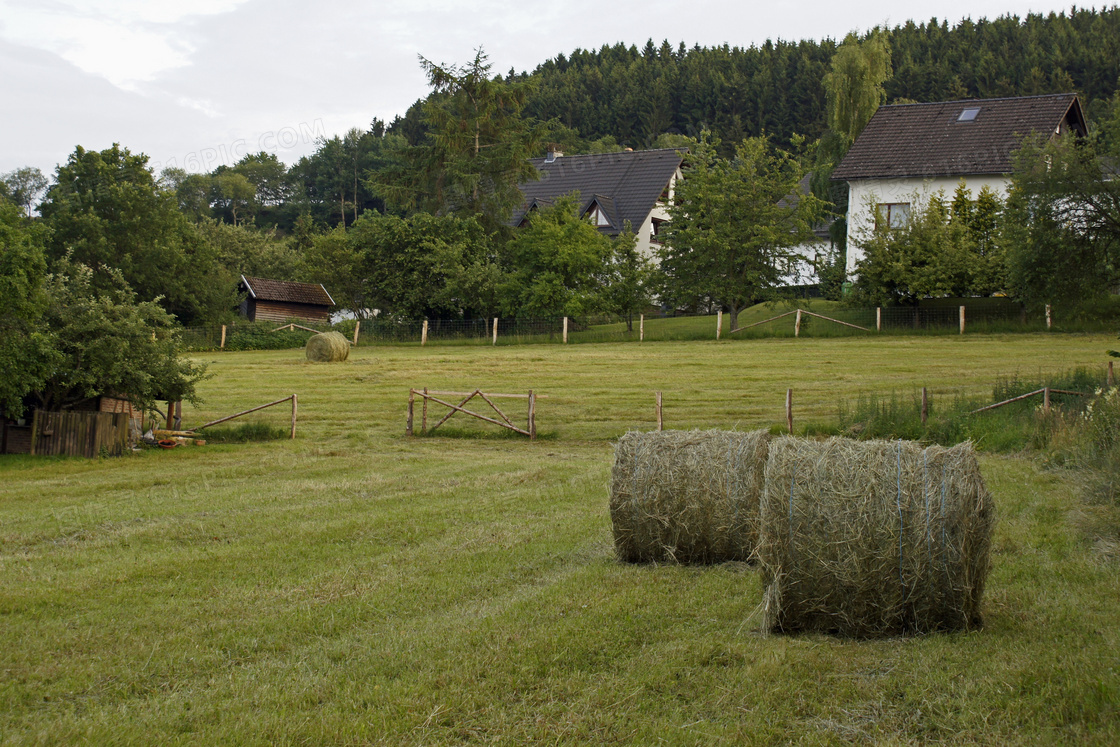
{"x":632,"y":187}
{"x":912,"y":151}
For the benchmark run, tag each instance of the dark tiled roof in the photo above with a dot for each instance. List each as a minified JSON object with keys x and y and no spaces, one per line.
{"x":927,"y":140}
{"x":626,"y":185}
{"x":263,"y":289}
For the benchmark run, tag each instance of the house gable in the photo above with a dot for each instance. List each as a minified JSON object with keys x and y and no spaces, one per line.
{"x":954,"y":138}
{"x":615,"y":188}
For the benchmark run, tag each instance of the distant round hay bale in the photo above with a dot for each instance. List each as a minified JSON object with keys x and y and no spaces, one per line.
{"x":687,"y":496}
{"x":870,"y":538}
{"x":328,"y":347}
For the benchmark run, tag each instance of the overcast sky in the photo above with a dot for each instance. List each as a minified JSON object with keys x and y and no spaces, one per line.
{"x":196,"y":83}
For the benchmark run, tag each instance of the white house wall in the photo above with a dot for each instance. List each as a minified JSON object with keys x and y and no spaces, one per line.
{"x":865,"y":194}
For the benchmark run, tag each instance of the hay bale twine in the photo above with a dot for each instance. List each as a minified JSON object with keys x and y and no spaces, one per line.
{"x":870,"y":538}
{"x":687,"y":496}
{"x":328,"y":347}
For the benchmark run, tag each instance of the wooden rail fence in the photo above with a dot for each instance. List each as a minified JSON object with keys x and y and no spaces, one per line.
{"x":425,"y":394}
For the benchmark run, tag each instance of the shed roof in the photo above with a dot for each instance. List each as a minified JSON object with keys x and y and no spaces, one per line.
{"x":626,"y":185}
{"x":287,"y":291}
{"x":928,"y":140}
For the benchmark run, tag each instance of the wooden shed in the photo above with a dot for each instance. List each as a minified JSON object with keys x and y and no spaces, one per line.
{"x":281,"y":300}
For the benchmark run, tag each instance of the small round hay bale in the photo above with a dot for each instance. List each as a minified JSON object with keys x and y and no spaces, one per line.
{"x":687,"y":496}
{"x":872,"y":538}
{"x":328,"y":347}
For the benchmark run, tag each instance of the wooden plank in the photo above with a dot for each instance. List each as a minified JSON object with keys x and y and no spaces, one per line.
{"x":243,"y":412}
{"x":1007,"y":401}
{"x":719,"y":324}
{"x":424,"y":417}
{"x":532,"y":434}
{"x":502,"y":414}
{"x":446,"y":417}
{"x":962,"y":320}
{"x":878,"y":318}
{"x":830,"y":319}
{"x":660,"y":412}
{"x":408,"y":420}
{"x":565,"y":330}
{"x":641,"y":328}
{"x":495,"y":330}
{"x":797,"y":325}
{"x":295,"y":406}
{"x":488,"y":394}
{"x":223,"y":342}
{"x":424,"y":333}
{"x":764,"y":321}
{"x":481,"y":417}
{"x":357,"y":326}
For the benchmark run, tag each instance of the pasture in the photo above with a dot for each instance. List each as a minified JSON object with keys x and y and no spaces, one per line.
{"x":356,"y":587}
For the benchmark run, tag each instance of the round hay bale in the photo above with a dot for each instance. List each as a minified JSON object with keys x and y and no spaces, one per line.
{"x":328,"y":347}
{"x":687,"y":496}
{"x":871,"y":538}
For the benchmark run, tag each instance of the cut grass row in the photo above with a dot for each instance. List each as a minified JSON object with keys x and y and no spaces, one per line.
{"x":353,"y":586}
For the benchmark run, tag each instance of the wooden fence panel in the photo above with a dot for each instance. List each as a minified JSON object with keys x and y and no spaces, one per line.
{"x":79,"y":433}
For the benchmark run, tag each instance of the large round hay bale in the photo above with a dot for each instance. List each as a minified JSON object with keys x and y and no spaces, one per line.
{"x":328,"y":347}
{"x":870,"y":538}
{"x":687,"y":496}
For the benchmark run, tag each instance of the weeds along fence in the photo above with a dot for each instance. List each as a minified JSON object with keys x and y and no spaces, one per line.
{"x":761,"y":321}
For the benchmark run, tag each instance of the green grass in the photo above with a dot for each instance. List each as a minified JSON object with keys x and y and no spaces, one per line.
{"x":356,"y":587}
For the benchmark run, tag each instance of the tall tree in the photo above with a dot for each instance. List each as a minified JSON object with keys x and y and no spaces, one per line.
{"x":106,"y":210}
{"x":559,"y":263}
{"x":26,"y":186}
{"x":735,"y":225}
{"x":26,"y":354}
{"x":476,"y":146}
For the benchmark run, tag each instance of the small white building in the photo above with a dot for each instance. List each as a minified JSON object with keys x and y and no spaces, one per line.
{"x":634,"y":186}
{"x":908,"y":152}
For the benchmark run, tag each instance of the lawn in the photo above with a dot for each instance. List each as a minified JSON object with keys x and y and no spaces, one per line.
{"x":356,"y":587}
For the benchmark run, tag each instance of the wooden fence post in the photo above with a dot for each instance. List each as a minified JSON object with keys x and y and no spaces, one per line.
{"x":532,"y":415}
{"x":789,"y":410}
{"x":295,"y":406}
{"x":878,"y":318}
{"x":1046,"y":400}
{"x":408,"y":421}
{"x":925,"y":403}
{"x":565,"y":330}
{"x":660,"y":412}
{"x":424,"y":333}
{"x":641,"y":328}
{"x":797,"y":325}
{"x":223,"y":343}
{"x":424,"y":412}
{"x":1111,"y":380}
{"x":495,"y":330}
{"x":357,"y":326}
{"x":719,"y":323}
{"x":962,"y":320}
{"x":1048,"y":320}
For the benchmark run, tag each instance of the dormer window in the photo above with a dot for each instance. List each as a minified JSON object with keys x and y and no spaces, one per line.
{"x":597,"y":216}
{"x":968,"y":115}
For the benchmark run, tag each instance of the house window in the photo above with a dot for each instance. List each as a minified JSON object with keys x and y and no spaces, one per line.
{"x":597,"y":216}
{"x":655,"y":230}
{"x":968,"y":115}
{"x":892,"y":214}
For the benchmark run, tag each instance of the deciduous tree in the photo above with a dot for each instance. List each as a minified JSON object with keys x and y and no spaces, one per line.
{"x":733,"y":230}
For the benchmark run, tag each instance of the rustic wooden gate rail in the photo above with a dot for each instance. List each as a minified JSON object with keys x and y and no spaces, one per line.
{"x":505,"y":422}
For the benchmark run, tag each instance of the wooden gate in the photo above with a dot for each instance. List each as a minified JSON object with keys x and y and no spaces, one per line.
{"x":530,"y":430}
{"x":79,"y":433}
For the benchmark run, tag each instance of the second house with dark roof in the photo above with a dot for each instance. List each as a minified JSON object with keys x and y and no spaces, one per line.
{"x":909,"y":152}
{"x":616,"y":189}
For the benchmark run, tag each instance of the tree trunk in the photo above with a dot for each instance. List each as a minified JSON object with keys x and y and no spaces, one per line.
{"x":733,"y":316}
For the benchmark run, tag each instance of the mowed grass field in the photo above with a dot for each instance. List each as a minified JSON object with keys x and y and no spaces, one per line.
{"x":356,"y":587}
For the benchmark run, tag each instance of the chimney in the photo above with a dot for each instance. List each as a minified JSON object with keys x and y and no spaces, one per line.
{"x":554,"y":152}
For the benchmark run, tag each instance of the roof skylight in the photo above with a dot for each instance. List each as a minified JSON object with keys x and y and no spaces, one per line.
{"x":968,"y":115}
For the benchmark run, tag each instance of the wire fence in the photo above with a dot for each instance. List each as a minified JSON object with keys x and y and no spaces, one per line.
{"x":983,"y":316}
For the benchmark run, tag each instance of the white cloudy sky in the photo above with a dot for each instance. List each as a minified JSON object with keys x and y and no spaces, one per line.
{"x":201,"y":82}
